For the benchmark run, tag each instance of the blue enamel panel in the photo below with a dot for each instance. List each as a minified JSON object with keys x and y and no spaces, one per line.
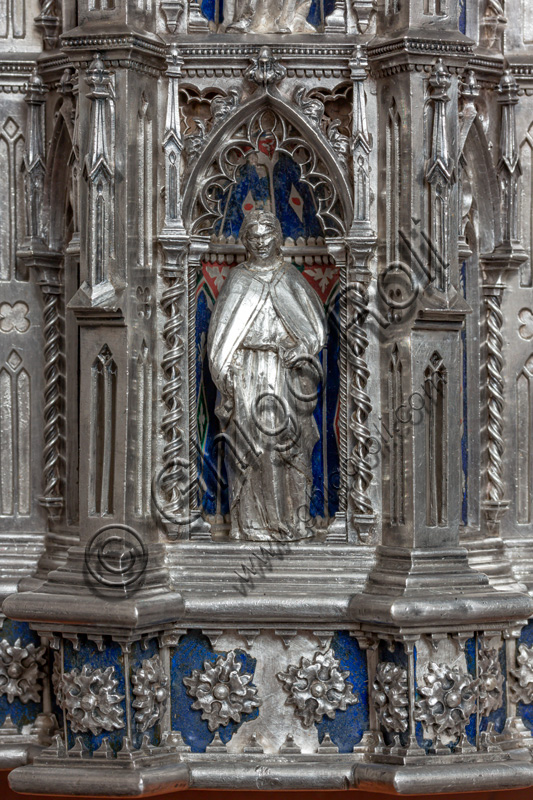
{"x":292,"y":198}
{"x":209,"y":9}
{"x":395,"y":654}
{"x":526,"y":635}
{"x":89,"y":654}
{"x":191,"y":653}
{"x":462,"y":16}
{"x":470,"y":655}
{"x":318,"y":10}
{"x":20,"y":713}
{"x":348,"y":727}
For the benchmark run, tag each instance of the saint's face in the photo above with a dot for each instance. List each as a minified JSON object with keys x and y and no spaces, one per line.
{"x":261,"y":241}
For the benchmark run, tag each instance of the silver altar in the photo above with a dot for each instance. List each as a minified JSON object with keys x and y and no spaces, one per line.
{"x":162,"y":626}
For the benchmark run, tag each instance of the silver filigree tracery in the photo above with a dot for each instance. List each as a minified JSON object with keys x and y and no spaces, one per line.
{"x":266,"y":132}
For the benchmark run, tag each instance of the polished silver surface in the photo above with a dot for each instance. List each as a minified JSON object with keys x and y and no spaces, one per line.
{"x":266,"y":395}
{"x":264,"y":339}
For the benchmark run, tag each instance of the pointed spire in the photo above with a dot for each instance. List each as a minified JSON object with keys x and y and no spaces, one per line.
{"x":359,"y":67}
{"x":509,"y":167}
{"x":439,"y":83}
{"x":34,"y":156}
{"x":508,"y":99}
{"x":172,"y":125}
{"x":99,"y":79}
{"x":173,"y":145}
{"x":361,"y":147}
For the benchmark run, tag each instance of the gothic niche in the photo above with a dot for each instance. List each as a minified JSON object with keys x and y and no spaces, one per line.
{"x":268,"y":190}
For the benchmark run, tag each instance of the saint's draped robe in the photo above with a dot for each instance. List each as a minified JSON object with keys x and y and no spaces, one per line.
{"x":266,"y":408}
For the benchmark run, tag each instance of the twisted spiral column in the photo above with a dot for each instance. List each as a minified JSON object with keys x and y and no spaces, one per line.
{"x":495,"y":486}
{"x":173,"y":367}
{"x":359,"y":374}
{"x":52,"y":497}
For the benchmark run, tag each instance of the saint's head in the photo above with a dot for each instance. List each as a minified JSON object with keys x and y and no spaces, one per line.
{"x":261,"y":235}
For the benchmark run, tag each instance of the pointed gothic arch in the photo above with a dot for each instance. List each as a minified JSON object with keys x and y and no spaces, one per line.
{"x":482,"y":175}
{"x":242,"y":132}
{"x":57,"y":188}
{"x":221,"y":135}
{"x":482,"y":229}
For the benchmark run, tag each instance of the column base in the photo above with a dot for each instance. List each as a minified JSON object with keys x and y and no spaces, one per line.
{"x":521,"y":554}
{"x":433,"y":589}
{"x":487,"y":555}
{"x":96,"y":605}
{"x":131,"y":773}
{"x":18,"y":749}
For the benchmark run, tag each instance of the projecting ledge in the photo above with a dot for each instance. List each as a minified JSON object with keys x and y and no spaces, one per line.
{"x":17,"y":753}
{"x":99,"y":780}
{"x":141,"y":612}
{"x":440,"y":778}
{"x":267,"y":773}
{"x":441,"y":610}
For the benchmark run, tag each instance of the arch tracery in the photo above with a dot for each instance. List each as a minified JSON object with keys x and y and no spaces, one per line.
{"x":260,"y":160}
{"x":264,"y":115}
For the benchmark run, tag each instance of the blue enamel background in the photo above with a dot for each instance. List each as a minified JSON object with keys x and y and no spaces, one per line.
{"x":324,"y":500}
{"x":192,"y":651}
{"x":347,"y":727}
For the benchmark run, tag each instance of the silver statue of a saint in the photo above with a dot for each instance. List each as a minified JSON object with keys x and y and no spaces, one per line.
{"x":267,"y":330}
{"x":267,"y":16}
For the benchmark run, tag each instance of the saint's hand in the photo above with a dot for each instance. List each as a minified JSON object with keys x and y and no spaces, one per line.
{"x":292,"y":356}
{"x":228,"y":382}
